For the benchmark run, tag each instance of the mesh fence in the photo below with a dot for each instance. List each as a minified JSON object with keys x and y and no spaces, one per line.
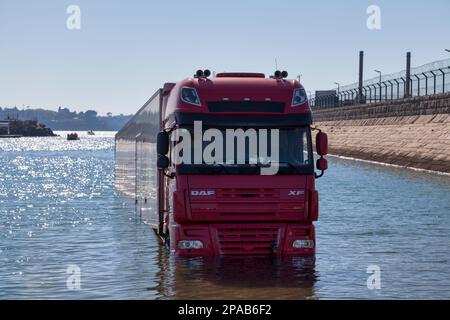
{"x":429,"y":79}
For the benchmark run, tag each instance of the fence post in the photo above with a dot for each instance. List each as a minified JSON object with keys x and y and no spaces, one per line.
{"x":443,"y":80}
{"x":374,"y":93}
{"x":361,"y":68}
{"x":392,"y":89}
{"x":404,"y":85}
{"x":418,"y":84}
{"x":398,"y":88}
{"x":434,"y":81}
{"x":426,"y":83}
{"x":408,"y":74}
{"x":379,"y":85}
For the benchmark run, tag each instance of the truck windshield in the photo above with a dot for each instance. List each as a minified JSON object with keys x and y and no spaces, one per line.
{"x":249,"y":152}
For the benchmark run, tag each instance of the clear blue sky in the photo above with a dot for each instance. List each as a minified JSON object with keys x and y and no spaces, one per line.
{"x":125,"y":50}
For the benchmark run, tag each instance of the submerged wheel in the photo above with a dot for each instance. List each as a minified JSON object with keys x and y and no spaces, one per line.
{"x":166,"y":240}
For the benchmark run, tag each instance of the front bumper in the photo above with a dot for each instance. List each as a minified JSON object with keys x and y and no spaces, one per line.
{"x":243,"y":239}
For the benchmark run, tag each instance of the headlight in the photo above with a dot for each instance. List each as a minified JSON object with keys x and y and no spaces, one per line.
{"x":190,"y":244}
{"x":299,"y":97}
{"x":303,"y":244}
{"x":189,"y":95}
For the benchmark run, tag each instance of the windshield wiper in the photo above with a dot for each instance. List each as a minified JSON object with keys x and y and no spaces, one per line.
{"x":290,"y":165}
{"x":219,"y":166}
{"x":248,"y":168}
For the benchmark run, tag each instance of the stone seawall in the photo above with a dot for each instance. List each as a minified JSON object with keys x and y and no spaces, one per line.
{"x":411,"y":132}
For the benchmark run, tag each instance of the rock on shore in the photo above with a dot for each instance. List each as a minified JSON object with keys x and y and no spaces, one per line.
{"x":27,"y":128}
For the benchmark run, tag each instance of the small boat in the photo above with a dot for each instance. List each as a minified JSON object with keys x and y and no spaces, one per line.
{"x":91,"y":133}
{"x":73,"y":136}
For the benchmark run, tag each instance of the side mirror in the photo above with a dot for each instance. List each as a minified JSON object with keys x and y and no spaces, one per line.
{"x":322,"y":164}
{"x":162,"y":143}
{"x":162,"y":162}
{"x":322,"y":143}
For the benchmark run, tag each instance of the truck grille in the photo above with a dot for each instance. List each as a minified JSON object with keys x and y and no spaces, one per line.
{"x":230,"y":193}
{"x":259,"y":241}
{"x":246,"y":106}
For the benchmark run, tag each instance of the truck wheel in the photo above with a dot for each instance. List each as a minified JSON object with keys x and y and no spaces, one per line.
{"x":167,"y":240}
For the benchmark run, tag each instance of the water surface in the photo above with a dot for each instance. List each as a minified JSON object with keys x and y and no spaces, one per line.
{"x":59,"y":207}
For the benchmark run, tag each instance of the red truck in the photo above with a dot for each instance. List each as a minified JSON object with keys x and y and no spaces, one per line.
{"x":222,"y":206}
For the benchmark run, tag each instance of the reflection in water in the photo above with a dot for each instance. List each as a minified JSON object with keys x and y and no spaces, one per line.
{"x":238,"y":278}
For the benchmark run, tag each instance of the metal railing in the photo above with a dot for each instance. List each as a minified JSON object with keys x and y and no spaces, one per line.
{"x":424,"y":81}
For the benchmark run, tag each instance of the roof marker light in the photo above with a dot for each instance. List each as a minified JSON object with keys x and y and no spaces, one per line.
{"x":199,"y":74}
{"x":202,"y":73}
{"x":280,"y":75}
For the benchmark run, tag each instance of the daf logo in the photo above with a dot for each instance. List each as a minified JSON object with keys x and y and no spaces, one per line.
{"x":295,"y":193}
{"x":203,"y":192}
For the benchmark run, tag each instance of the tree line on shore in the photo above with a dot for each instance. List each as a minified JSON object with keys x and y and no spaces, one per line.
{"x":64,"y":119}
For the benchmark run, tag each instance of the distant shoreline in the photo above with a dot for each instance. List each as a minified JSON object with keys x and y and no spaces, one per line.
{"x":67,"y":120}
